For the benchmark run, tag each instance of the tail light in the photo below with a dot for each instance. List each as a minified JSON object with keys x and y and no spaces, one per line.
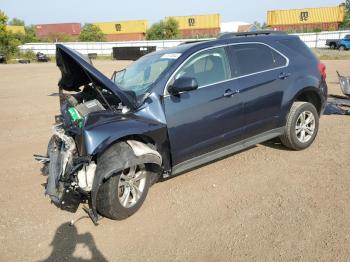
{"x":322,"y":69}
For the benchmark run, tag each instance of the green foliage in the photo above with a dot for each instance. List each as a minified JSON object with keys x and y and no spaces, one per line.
{"x":346,"y":23}
{"x":91,"y":33}
{"x":29,"y":54}
{"x":8,"y":41}
{"x":260,"y":26}
{"x":30,"y":36}
{"x":58,"y":37}
{"x":16,"y":21}
{"x":168,"y":29}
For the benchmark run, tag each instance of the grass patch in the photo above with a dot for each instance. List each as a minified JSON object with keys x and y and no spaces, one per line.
{"x":331,"y":54}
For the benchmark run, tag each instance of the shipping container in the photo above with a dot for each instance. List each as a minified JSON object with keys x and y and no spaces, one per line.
{"x":125,"y":37}
{"x":303,"y":28}
{"x":123,"y":27}
{"x":306,"y":16}
{"x":71,"y":29}
{"x":15,"y":29}
{"x":199,"y":33}
{"x":197,"y":21}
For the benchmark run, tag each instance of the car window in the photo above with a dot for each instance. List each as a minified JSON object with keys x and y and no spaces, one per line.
{"x":253,"y":58}
{"x":207,"y":67}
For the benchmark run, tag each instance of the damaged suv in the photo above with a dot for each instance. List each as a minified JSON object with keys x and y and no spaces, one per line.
{"x":173,"y":110}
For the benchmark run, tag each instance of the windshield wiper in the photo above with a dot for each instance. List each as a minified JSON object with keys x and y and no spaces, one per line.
{"x":115,"y":74}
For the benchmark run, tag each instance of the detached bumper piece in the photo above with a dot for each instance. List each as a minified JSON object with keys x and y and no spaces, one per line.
{"x":61,"y":185}
{"x":61,"y":166}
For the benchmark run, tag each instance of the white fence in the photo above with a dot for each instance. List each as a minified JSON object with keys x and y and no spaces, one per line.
{"x":318,"y":40}
{"x":100,"y":48}
{"x":313,"y":40}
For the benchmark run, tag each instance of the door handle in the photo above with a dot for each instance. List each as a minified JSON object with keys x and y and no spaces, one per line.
{"x":229,"y":92}
{"x":283,"y":75}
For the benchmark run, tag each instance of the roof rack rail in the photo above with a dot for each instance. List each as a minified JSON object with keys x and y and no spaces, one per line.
{"x":193,"y":41}
{"x":254,"y":33}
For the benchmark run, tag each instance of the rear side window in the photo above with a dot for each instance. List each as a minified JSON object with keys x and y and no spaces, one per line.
{"x":207,"y":67}
{"x":298,"y":46}
{"x":253,"y":58}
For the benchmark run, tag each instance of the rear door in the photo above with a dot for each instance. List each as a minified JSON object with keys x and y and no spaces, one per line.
{"x":209,"y":117}
{"x":263,"y":76}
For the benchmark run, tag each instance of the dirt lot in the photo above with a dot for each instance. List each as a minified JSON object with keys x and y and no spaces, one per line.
{"x":266,"y":203}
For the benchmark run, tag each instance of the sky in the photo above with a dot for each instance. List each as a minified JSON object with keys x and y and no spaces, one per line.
{"x":84,"y":11}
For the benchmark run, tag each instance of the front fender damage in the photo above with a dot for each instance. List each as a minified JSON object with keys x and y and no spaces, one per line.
{"x":131,"y":153}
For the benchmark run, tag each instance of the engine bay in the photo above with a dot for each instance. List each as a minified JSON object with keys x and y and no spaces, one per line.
{"x":90,"y":99}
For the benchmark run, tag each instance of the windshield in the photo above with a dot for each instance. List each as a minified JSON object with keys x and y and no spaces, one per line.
{"x":140,"y":76}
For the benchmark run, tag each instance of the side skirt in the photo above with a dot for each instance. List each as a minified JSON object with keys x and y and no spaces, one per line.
{"x":227,"y":150}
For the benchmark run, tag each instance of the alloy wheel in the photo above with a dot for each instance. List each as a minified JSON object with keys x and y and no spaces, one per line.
{"x":131,"y":185}
{"x":305,"y":126}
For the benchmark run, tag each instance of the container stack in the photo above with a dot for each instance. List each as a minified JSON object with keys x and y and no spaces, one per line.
{"x":307,"y":19}
{"x":195,"y":26}
{"x":133,"y":30}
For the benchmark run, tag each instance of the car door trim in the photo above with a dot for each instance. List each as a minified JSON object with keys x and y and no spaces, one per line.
{"x":166,"y":94}
{"x":227,"y":150}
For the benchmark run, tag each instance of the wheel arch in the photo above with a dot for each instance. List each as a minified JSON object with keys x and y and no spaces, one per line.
{"x":311,"y":95}
{"x":125,"y":152}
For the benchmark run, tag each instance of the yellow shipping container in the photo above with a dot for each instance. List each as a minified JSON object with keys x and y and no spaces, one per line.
{"x":15,"y":28}
{"x":123,"y":27}
{"x":197,"y":21}
{"x":306,"y":16}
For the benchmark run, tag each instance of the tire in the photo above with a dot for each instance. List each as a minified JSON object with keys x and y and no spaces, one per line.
{"x":333,"y":46}
{"x":109,"y":203}
{"x":342,"y":48}
{"x":295,"y":126}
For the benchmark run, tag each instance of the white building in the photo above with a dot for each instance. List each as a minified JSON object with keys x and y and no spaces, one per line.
{"x":231,"y":27}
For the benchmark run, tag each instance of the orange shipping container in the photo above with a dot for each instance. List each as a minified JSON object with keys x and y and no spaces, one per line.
{"x":44,"y":30}
{"x":125,"y":37}
{"x":194,"y":33}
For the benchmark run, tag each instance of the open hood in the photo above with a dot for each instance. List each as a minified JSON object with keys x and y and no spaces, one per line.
{"x":78,"y":71}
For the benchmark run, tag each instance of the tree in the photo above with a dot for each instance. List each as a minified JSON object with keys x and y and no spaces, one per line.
{"x":30,"y":36}
{"x":8,"y":41}
{"x":91,"y":33}
{"x":260,"y":26}
{"x":168,"y":29}
{"x":16,"y":21}
{"x":346,"y":23}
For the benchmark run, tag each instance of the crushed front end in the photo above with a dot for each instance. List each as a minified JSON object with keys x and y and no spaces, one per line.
{"x":69,"y":174}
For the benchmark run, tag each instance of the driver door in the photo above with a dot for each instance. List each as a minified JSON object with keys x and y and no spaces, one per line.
{"x":205,"y":119}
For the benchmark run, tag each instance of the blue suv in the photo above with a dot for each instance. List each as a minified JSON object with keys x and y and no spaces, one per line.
{"x":173,"y":110}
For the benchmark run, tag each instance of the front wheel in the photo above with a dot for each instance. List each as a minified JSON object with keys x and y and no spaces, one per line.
{"x":301,"y":127}
{"x":123,"y":193}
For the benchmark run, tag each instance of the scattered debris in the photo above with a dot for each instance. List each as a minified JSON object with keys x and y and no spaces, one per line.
{"x":344,"y":82}
{"x":337,"y":105}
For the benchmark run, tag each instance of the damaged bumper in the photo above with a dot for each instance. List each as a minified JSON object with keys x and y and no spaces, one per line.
{"x":69,"y":177}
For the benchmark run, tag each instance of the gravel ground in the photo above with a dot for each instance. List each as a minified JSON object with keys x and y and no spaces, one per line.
{"x":265,"y":203}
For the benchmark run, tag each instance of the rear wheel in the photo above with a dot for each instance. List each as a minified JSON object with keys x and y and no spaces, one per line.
{"x":301,"y":127}
{"x":341,"y":48}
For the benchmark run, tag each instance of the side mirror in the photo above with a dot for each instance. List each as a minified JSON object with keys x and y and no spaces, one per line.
{"x":183,"y":84}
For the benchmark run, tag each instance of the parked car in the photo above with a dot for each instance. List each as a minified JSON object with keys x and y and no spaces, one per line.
{"x":341,"y":44}
{"x":2,"y":58}
{"x":174,"y":110}
{"x":41,"y":57}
